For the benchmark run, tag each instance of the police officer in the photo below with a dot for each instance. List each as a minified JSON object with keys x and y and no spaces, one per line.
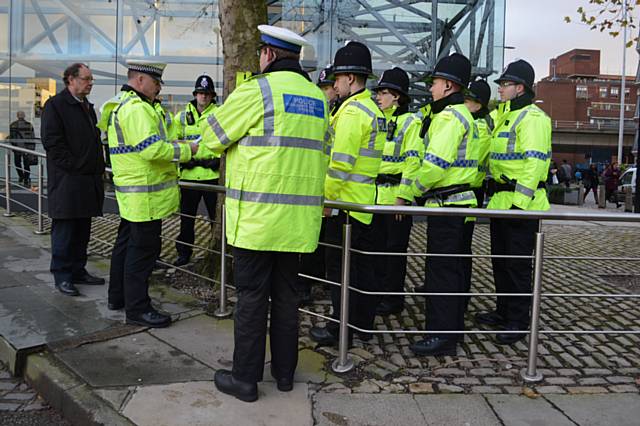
{"x":326,"y":79}
{"x":401,"y":161}
{"x":359,"y":135}
{"x":449,"y":168}
{"x":273,"y":129}
{"x":477,"y":101}
{"x":145,"y":175}
{"x":202,"y":168}
{"x":519,"y":161}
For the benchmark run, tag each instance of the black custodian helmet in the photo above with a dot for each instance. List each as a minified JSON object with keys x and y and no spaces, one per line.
{"x":354,"y":58}
{"x":455,"y":68}
{"x":520,"y":72}
{"x":396,"y":79}
{"x":479,"y":91}
{"x":204,"y":84}
{"x":325,"y":76}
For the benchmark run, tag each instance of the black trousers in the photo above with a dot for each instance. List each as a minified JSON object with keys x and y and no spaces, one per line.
{"x":134,"y":254}
{"x":391,"y":270}
{"x":23,"y":167}
{"x":468,"y":265}
{"x":313,"y":264}
{"x":189,"y":202}
{"x":445,"y":275}
{"x":69,"y":241}
{"x":259,"y":275}
{"x":362,"y":308}
{"x":513,"y":237}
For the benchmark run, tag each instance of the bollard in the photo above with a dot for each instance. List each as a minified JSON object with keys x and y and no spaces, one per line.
{"x":602,"y":200}
{"x":223,"y":311}
{"x":530,"y":374}
{"x":628,"y":199}
{"x":40,"y":230}
{"x":7,"y":182}
{"x":344,"y":363}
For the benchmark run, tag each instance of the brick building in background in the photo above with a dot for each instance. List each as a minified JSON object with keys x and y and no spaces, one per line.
{"x":584,"y":106}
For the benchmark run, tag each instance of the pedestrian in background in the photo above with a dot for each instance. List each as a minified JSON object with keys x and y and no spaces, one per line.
{"x":18,"y":130}
{"x":75,"y":165}
{"x":611,"y":177}
{"x":591,"y":182}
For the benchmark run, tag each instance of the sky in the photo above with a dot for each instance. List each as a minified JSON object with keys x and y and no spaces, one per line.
{"x":537,"y":30}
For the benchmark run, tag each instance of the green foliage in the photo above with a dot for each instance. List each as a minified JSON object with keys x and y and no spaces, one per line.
{"x":607,"y":15}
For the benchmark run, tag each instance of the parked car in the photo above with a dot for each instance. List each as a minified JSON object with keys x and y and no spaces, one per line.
{"x":627,"y":180}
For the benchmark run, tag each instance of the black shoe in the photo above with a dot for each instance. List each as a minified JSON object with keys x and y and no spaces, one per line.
{"x":323,"y":336}
{"x":182,"y":260}
{"x":284,"y":384}
{"x":115,"y":306}
{"x":88,"y":279}
{"x":385,"y":308}
{"x":434,"y":346}
{"x":224,"y":381}
{"x":67,"y":288}
{"x":510,"y":338}
{"x":490,"y":318}
{"x":152,"y":319}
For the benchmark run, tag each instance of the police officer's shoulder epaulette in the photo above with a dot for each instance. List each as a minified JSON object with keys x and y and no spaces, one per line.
{"x":535,"y":111}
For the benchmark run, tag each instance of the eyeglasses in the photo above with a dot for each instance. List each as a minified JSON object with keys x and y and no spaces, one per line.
{"x":506,"y":84}
{"x":86,"y":78}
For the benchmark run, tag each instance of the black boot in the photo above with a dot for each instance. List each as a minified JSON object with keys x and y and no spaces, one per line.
{"x":490,"y":318}
{"x":434,"y":346}
{"x":224,"y":381}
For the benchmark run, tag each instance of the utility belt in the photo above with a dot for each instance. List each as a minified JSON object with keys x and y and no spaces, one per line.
{"x":442,"y":194}
{"x":213,"y":164}
{"x":510,"y":186}
{"x":390,"y":180}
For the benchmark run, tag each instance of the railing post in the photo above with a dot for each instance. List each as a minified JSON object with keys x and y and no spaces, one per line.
{"x":7,"y":182}
{"x":530,"y":374}
{"x":344,"y":363}
{"x":40,"y":229}
{"x":223,"y":311}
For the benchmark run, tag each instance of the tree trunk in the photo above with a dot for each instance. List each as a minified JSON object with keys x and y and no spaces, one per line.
{"x":239,"y":20}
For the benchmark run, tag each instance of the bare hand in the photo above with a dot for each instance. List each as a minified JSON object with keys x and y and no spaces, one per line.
{"x":326,"y":212}
{"x":194,"y":148}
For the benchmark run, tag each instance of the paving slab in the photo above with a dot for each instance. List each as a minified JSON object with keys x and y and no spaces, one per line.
{"x":592,"y":410}
{"x":200,"y":403}
{"x":115,"y":397}
{"x":455,"y":410}
{"x":516,"y":410}
{"x":133,"y":360}
{"x":330,"y":409}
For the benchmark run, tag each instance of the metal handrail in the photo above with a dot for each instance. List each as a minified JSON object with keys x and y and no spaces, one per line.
{"x":343,"y":363}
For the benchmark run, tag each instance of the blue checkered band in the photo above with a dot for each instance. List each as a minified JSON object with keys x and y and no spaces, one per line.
{"x":465,"y":163}
{"x":412,"y":154}
{"x":393,"y":159}
{"x":191,"y":137}
{"x":536,"y":154}
{"x":508,"y":156}
{"x":437,"y":161}
{"x":141,"y":146}
{"x":276,"y":42}
{"x":483,"y":169}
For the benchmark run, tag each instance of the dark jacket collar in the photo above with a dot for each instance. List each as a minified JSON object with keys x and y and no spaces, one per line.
{"x":127,"y":88}
{"x":453,"y":99}
{"x":521,"y":101}
{"x":286,"y":65}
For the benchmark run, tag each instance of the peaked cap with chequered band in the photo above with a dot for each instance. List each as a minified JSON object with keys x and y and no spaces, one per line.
{"x":154,"y":69}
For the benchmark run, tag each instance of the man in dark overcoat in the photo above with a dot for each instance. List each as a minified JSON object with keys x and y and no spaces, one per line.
{"x":75,"y":165}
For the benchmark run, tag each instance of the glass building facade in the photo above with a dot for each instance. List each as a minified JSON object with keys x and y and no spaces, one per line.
{"x":42,"y":37}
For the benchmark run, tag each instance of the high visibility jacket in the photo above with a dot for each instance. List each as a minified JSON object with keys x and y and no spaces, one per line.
{"x":451,"y":158}
{"x":167,"y":117}
{"x":484,"y":144}
{"x":143,"y":159}
{"x":359,"y":133}
{"x":186,"y":131}
{"x":273,"y":128}
{"x":521,"y":151}
{"x":401,"y":156}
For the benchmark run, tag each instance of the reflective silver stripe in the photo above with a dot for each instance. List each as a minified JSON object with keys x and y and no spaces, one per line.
{"x":372,"y":153}
{"x":327,"y":149}
{"x":218,"y":130}
{"x":374,"y":123}
{"x":398,"y":139}
{"x":426,"y":141}
{"x":176,"y":152}
{"x":345,"y":158}
{"x":421,"y":187}
{"x":269,"y":108}
{"x":161,"y":130}
{"x":336,"y":174}
{"x":461,"y":196}
{"x":511,"y":145}
{"x":167,"y":117}
{"x":281,"y":141}
{"x":404,"y":181}
{"x":116,"y":122}
{"x":147,"y":188}
{"x":525,"y":191}
{"x":183,"y":118}
{"x":462,"y":148}
{"x":270,"y":198}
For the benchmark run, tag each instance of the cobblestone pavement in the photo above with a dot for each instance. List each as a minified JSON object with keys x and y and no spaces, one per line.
{"x":19,"y":404}
{"x":570,"y":363}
